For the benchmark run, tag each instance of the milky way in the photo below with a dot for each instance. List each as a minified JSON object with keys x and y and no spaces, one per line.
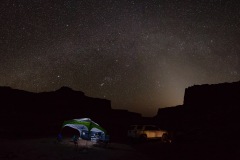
{"x":139,"y":54}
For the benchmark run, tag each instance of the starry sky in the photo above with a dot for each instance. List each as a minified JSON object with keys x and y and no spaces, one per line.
{"x":140,"y":54}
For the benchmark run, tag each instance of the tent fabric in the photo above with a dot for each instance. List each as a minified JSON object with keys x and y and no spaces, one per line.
{"x":84,"y":124}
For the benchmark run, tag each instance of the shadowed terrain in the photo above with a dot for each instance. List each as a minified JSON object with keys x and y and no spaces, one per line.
{"x":206,"y":126}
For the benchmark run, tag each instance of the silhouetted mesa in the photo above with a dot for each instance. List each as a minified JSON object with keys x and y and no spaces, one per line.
{"x":41,"y":114}
{"x":215,"y":95}
{"x":25,"y":113}
{"x":210,"y":113}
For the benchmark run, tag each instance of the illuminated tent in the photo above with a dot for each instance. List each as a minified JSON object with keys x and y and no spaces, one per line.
{"x":85,"y":126}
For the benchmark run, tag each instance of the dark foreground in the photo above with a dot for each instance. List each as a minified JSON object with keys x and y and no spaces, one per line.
{"x":49,"y":148}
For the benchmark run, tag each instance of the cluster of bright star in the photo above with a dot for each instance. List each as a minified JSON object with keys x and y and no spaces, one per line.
{"x":139,"y":54}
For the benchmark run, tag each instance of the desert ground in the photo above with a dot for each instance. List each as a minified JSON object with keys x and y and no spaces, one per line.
{"x":49,"y":148}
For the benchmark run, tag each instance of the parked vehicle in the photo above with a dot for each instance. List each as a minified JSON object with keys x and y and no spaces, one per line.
{"x":144,"y":132}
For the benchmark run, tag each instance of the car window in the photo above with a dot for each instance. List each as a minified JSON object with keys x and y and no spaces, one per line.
{"x":151,"y":128}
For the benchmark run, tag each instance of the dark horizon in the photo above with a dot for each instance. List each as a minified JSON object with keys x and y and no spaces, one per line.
{"x":67,"y":91}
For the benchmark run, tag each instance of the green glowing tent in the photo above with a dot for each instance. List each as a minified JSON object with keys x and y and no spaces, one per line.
{"x":85,"y":126}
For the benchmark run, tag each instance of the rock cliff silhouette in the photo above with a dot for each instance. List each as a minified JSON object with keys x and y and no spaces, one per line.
{"x":25,"y":114}
{"x":210,"y":113}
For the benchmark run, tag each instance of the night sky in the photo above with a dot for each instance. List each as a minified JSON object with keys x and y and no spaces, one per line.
{"x":139,"y":54}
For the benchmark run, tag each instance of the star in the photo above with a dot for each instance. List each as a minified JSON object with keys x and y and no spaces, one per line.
{"x":142,"y":53}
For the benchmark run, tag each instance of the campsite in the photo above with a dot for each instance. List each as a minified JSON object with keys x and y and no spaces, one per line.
{"x":90,"y":148}
{"x":209,"y":132}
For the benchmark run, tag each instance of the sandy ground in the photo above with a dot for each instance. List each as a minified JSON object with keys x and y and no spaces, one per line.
{"x":49,"y":148}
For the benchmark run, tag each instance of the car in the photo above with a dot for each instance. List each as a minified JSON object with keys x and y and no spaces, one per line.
{"x":144,"y":132}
